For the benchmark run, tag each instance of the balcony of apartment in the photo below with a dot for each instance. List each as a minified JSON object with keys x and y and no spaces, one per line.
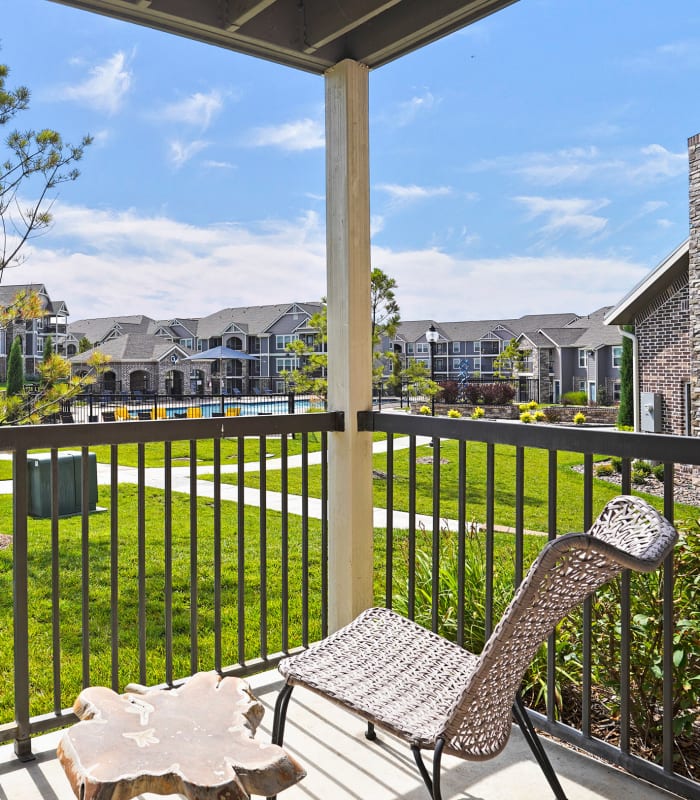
{"x":207,"y":544}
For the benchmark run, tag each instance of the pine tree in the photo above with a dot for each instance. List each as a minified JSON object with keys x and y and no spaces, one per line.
{"x":15,"y":369}
{"x":625,"y":413}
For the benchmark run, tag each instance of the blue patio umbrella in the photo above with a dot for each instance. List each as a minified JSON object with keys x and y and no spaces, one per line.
{"x":220,"y":353}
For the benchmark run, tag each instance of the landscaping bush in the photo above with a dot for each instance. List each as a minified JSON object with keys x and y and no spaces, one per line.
{"x":602,"y":470}
{"x":658,"y":471}
{"x":449,"y":391}
{"x":478,"y":413}
{"x":579,"y":418}
{"x":574,"y":399}
{"x":497,"y":394}
{"x":643,"y":467}
{"x":616,"y":462}
{"x":454,"y":413}
{"x":472,"y":393}
{"x":552,"y":414}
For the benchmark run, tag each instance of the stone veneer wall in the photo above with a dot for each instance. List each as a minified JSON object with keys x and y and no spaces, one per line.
{"x":694,"y":279}
{"x":664,"y":355}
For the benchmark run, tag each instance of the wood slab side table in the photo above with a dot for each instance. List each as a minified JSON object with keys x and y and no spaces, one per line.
{"x":195,"y":740}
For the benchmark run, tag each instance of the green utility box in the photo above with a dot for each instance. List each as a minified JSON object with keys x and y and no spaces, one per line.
{"x":70,"y":486}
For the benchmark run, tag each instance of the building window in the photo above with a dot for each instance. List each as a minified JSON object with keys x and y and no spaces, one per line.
{"x":477,"y":347}
{"x":409,"y":348}
{"x":456,"y":363}
{"x":616,"y":391}
{"x":281,"y":341}
{"x":491,"y":347}
{"x":287,"y":364}
{"x":187,"y":343}
{"x":582,"y":359}
{"x":582,"y":386}
{"x":455,"y":347}
{"x":422,"y":347}
{"x":617,"y":356}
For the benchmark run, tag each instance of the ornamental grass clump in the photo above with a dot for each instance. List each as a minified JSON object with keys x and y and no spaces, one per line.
{"x":454,"y":413}
{"x":579,"y":418}
{"x":478,"y":413}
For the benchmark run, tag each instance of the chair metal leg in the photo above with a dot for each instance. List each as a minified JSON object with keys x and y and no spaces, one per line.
{"x":281,"y":713}
{"x":433,"y":784}
{"x":531,"y":737}
{"x":280,"y":718}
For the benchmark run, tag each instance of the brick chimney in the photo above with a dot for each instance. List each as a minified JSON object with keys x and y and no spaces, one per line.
{"x":694,"y":279}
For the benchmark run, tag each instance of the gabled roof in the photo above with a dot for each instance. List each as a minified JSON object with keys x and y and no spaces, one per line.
{"x":134,"y":347}
{"x":312,"y":35}
{"x":474,"y":330}
{"x":96,"y":330}
{"x":588,"y":332}
{"x":9,"y":292}
{"x":252,"y":320}
{"x":662,"y":278}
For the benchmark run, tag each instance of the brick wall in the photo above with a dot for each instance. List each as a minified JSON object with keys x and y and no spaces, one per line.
{"x":664,"y":357}
{"x":694,"y":278}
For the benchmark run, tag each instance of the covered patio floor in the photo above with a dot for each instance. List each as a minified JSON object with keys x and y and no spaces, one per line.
{"x":342,"y":765}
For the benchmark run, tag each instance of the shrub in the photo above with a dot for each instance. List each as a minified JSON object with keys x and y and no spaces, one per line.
{"x":579,"y":418}
{"x":522,"y":407}
{"x":472,"y":393}
{"x":454,"y":413}
{"x":533,"y":405}
{"x":552,"y":414}
{"x":574,"y":399}
{"x":616,"y":462}
{"x":449,"y":391}
{"x":639,"y":478}
{"x":527,"y":417}
{"x":540,"y":416}
{"x":658,"y":471}
{"x":497,"y":394}
{"x":603,"y":470}
{"x":478,"y":413}
{"x":643,"y":467}
{"x":424,"y":410}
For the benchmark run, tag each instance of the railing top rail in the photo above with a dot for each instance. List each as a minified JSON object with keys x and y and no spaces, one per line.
{"x":577,"y":439}
{"x":35,"y":437}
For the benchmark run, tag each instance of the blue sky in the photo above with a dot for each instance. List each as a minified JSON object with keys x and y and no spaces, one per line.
{"x":535,"y":162}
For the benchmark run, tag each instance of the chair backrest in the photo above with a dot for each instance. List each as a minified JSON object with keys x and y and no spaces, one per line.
{"x":628,"y":534}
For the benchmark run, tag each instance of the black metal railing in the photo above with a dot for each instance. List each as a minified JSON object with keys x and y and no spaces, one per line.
{"x":156,"y":574}
{"x":432,"y":493}
{"x":143,"y":405}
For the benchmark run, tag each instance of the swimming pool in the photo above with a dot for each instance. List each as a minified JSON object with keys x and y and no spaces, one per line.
{"x":272,"y":405}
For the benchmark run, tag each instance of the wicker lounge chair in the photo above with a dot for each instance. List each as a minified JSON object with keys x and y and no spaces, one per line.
{"x":437,"y":696}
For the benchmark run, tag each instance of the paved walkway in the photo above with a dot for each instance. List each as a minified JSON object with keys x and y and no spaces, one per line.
{"x":180,"y":482}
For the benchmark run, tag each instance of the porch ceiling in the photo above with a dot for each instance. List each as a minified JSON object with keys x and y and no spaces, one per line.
{"x":312,"y":35}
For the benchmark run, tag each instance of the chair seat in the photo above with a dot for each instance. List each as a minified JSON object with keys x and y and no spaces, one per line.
{"x":388,"y":670}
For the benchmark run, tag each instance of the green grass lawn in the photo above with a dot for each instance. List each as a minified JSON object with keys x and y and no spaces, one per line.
{"x":536,"y":504}
{"x":70,"y":572}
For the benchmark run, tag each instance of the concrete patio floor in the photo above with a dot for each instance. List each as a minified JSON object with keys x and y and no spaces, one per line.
{"x":342,"y":765}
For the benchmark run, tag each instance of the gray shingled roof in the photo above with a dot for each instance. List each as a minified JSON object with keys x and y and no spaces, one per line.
{"x":96,"y":329}
{"x":589,"y":331}
{"x":134,"y":347}
{"x":473,"y":330}
{"x":9,"y":292}
{"x":252,"y":320}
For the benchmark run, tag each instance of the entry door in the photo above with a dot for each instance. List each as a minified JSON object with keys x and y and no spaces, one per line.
{"x":591,"y":391}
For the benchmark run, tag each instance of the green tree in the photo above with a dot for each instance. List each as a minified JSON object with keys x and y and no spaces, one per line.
{"x":418,"y":378}
{"x":84,"y":344}
{"x":625,"y":413}
{"x":310,"y":375}
{"x":510,"y":360}
{"x":15,"y":369}
{"x":385,"y":322}
{"x":48,"y":347}
{"x":37,"y":161}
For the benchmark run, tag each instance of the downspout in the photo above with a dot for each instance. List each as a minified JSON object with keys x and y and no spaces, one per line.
{"x":635,"y":374}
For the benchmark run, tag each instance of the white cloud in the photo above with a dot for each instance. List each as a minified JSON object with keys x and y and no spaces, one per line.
{"x":302,"y":134}
{"x":659,"y":163}
{"x":410,"y":109}
{"x":412,"y":193}
{"x":218,"y":165}
{"x":180,"y":153}
{"x":574,"y":214}
{"x":198,"y":109}
{"x":106,"y":87}
{"x":115,"y":262}
{"x":650,"y":164}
